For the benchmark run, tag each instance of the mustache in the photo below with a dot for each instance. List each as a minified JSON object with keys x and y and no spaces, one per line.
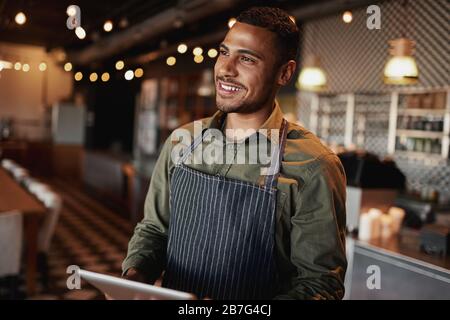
{"x":230,"y":81}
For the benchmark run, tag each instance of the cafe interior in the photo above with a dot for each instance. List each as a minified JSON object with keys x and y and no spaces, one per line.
{"x":90,"y":90}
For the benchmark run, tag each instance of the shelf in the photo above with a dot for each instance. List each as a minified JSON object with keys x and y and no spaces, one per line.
{"x":420,"y":155}
{"x":423,"y":112}
{"x":420,"y":134}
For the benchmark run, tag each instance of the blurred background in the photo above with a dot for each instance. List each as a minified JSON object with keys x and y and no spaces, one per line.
{"x":90,"y":90}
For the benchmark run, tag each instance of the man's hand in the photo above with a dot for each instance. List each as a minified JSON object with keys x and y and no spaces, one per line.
{"x":133,"y":275}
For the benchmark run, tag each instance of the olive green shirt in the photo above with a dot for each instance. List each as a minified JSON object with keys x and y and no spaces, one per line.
{"x":310,"y":211}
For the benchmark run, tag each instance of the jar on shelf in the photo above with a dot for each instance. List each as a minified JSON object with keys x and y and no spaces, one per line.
{"x":427,"y":100}
{"x":436,"y":146}
{"x":427,"y":146}
{"x":419,"y":145}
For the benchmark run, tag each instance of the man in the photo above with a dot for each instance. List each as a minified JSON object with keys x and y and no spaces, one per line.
{"x":239,"y":231}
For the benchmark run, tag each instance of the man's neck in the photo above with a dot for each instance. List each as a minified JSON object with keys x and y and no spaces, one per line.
{"x":246,"y":121}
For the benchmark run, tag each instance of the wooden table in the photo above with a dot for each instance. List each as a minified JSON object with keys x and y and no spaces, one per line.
{"x":14,"y":197}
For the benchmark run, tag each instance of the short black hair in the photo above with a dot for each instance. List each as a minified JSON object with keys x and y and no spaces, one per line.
{"x":279,"y":22}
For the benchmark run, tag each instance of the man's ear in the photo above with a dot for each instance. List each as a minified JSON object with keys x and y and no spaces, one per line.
{"x":286,"y":73}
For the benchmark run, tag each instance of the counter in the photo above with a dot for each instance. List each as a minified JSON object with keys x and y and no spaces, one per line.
{"x":405,"y":272}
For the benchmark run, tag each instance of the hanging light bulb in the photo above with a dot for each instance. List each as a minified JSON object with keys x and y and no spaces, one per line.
{"x":312,"y":77}
{"x":17,"y":66}
{"x":401,"y":67}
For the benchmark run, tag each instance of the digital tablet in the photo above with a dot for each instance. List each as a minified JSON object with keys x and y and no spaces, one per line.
{"x":122,"y":289}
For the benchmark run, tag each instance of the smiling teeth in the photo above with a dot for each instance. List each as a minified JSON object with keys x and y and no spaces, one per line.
{"x":229,"y":88}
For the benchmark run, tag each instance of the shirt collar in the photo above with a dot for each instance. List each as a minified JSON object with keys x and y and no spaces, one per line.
{"x":274,"y":121}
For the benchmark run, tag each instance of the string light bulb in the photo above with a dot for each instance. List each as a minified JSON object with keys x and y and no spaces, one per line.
{"x":20,"y":18}
{"x":42,"y":66}
{"x":182,"y":48}
{"x":171,"y":61}
{"x":78,"y":76}
{"x":120,"y":64}
{"x":81,"y":34}
{"x":198,"y":59}
{"x":108,"y":26}
{"x":105,"y":76}
{"x":197,"y":51}
{"x":139,"y":72}
{"x":129,"y":75}
{"x":68,"y":66}
{"x":347,"y":16}
{"x":212,"y":53}
{"x":93,"y":77}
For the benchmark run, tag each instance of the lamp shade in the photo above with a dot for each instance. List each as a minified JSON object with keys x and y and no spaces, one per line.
{"x":312,"y":77}
{"x":401,"y":67}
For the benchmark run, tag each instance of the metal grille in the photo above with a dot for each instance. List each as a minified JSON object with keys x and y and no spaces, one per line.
{"x":331,"y":119}
{"x":371,"y":123}
{"x":354,"y":56}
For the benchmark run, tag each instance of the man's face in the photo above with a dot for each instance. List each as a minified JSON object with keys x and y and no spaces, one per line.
{"x":245,"y":71}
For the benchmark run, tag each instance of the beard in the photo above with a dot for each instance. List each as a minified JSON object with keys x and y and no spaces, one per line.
{"x":245,"y":106}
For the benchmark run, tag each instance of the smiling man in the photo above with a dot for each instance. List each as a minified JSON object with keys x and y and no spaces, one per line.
{"x":247,"y":231}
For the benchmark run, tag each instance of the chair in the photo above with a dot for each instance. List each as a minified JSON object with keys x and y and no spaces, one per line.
{"x":54,"y":203}
{"x":11,"y":235}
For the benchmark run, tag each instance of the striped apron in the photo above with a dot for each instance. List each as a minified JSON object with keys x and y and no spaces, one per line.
{"x":222,"y":232}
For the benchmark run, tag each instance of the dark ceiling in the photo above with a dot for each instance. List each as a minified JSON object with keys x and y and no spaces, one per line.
{"x":46,"y":22}
{"x":46,"y":19}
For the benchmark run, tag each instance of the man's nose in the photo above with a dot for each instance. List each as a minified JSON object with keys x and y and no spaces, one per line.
{"x":228,"y":68}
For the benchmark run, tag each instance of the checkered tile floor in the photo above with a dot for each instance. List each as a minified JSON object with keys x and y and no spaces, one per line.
{"x":88,"y":235}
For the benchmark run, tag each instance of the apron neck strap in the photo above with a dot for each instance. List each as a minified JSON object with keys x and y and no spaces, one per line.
{"x":277,"y":151}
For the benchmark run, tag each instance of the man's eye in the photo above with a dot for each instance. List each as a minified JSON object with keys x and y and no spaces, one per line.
{"x":247,"y":59}
{"x":223,"y":52}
